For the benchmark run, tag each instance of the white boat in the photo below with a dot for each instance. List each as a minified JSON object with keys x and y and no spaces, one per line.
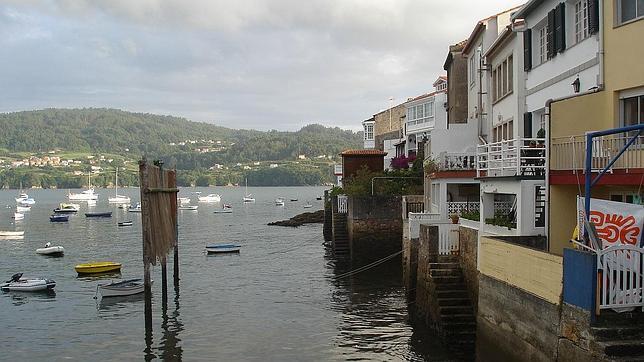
{"x":12,"y":233}
{"x":18,"y":216}
{"x":279,"y":201}
{"x":183,"y":200}
{"x":24,"y":199}
{"x":136,"y":208}
{"x":19,"y":284}
{"x":188,"y":207}
{"x":51,"y":250}
{"x":84,"y":195}
{"x":248,"y":197}
{"x":223,"y":248}
{"x":308,"y":205}
{"x":225,"y":209}
{"x":23,"y":208}
{"x":118,"y":199}
{"x":125,"y":223}
{"x":122,"y":288}
{"x":210,"y":198}
{"x":64,"y":208}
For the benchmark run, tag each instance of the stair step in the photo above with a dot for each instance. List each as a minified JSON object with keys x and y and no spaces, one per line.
{"x":444,"y":302}
{"x":455,"y":309}
{"x":444,"y":266}
{"x":451,"y":287}
{"x":445,"y":272}
{"x":469,"y":317}
{"x":623,"y":348}
{"x":451,"y":294}
{"x":447,"y":279}
{"x":618,"y":332}
{"x":457,"y":326}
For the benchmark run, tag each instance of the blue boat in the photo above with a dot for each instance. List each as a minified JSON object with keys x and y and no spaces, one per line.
{"x":223,"y":248}
{"x":59,"y":218}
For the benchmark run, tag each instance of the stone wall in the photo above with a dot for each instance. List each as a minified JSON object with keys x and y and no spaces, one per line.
{"x":468,"y":240}
{"x":375,"y":226}
{"x":410,"y":262}
{"x":380,"y":139}
{"x":427,"y":247}
{"x":383,"y":124}
{"x":513,"y":325}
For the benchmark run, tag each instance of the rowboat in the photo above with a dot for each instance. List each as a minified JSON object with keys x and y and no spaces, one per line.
{"x":59,"y":218}
{"x":223,"y":248}
{"x":97,"y":267}
{"x":188,"y":207}
{"x":12,"y":233}
{"x":98,"y":214}
{"x":19,"y":284}
{"x":125,"y":223}
{"x":122,"y":288}
{"x":51,"y":250}
{"x":308,"y":205}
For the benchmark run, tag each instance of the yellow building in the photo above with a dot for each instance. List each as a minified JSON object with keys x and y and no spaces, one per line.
{"x":620,"y":102}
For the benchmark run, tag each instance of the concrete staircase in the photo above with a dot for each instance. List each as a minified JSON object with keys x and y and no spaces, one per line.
{"x":619,"y":336}
{"x":341,"y":245}
{"x":456,"y":320}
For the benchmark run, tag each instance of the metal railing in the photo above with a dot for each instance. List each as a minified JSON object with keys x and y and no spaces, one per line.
{"x":343,"y":204}
{"x":569,"y":153}
{"x":456,"y":161}
{"x":457,"y":207}
{"x":515,"y":157}
{"x":619,"y":268}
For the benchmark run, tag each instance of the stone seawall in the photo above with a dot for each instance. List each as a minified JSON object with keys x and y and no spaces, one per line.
{"x":468,"y":254}
{"x":374,"y":226}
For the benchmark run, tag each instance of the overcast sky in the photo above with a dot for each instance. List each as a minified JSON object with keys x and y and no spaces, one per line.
{"x":272,"y":64}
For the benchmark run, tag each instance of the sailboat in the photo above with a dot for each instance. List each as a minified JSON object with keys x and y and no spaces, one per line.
{"x":118,"y":199}
{"x":248,"y":197}
{"x":87,"y":194}
{"x":24,"y":199}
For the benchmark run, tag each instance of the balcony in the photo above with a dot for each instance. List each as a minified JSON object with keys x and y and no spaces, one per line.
{"x":456,"y":161}
{"x":569,"y":153}
{"x":515,"y":157}
{"x":423,"y":124}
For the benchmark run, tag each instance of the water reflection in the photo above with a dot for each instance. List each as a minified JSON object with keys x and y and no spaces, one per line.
{"x":20,"y":298}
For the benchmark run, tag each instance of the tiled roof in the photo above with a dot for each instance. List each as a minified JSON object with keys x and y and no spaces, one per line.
{"x":363,"y":153}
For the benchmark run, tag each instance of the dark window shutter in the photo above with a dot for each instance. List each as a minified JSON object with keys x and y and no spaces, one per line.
{"x":593,"y":16}
{"x":527,"y":125}
{"x":551,"y":34}
{"x":560,"y":28}
{"x":527,"y":50}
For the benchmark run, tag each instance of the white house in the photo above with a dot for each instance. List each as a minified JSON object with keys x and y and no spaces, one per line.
{"x":424,"y":113}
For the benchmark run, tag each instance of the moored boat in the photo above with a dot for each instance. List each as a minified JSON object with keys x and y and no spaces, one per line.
{"x":223,"y":248}
{"x":308,"y":205}
{"x":59,"y":218}
{"x":183,"y":200}
{"x":188,"y":207}
{"x":64,"y":208}
{"x":125,"y":223}
{"x":51,"y":250}
{"x":210,"y":198}
{"x":97,"y":267}
{"x":19,"y":284}
{"x":12,"y":233}
{"x":86,"y":195}
{"x":279,"y":201}
{"x":225,"y":209}
{"x":118,"y":199}
{"x":136,"y":208}
{"x":98,"y":214}
{"x":122,"y":288}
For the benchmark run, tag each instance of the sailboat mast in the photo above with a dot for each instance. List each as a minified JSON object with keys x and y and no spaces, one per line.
{"x":116,"y":183}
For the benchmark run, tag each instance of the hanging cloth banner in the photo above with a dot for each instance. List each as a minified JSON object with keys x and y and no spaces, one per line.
{"x":617,"y":223}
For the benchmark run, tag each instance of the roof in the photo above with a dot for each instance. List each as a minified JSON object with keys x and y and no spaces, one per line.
{"x":441,"y":78}
{"x":480,"y":26}
{"x":456,"y":48}
{"x":526,"y":9}
{"x":500,"y":40}
{"x":363,"y":153}
{"x":424,"y":96}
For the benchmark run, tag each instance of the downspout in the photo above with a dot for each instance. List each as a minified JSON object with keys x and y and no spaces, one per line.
{"x":600,"y":53}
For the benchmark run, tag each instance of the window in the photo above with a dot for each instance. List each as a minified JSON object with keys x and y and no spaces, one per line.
{"x":502,"y":81}
{"x":628,"y":10}
{"x":368,"y":132}
{"x":628,"y":197}
{"x":472,"y":67}
{"x":633,"y":111}
{"x":421,"y":113}
{"x":543,"y":44}
{"x":503,"y":132}
{"x":581,"y":20}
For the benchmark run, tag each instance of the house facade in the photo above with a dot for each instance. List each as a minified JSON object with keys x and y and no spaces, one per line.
{"x":423,"y":114}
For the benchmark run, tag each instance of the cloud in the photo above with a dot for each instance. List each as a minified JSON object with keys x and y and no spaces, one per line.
{"x":245,"y":63}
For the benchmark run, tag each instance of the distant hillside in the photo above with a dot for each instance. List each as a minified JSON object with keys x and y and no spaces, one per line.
{"x":134,"y":134}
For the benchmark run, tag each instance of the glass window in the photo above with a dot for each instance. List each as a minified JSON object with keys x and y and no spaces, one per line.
{"x":640,"y":8}
{"x":504,"y":77}
{"x":510,"y":75}
{"x":543,"y":44}
{"x":628,"y":9}
{"x":581,"y":20}
{"x":429,"y":111}
{"x":631,"y":111}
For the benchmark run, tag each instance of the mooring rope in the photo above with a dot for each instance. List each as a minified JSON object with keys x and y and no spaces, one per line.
{"x":368,"y":266}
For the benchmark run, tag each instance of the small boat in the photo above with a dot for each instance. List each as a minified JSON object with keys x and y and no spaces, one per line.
{"x":18,"y":216}
{"x":98,"y":214}
{"x":188,"y":207}
{"x":19,"y":284}
{"x":124,"y":206}
{"x":135,"y":208}
{"x":67,"y":208}
{"x":319,"y":198}
{"x":248,"y":197}
{"x":59,"y":218}
{"x":12,"y":233}
{"x":86,"y":195}
{"x":223,"y":248}
{"x":118,"y":199}
{"x":97,"y":267}
{"x":279,"y":201}
{"x":210,"y":198}
{"x":51,"y":250}
{"x":23,"y":208}
{"x":183,"y":200}
{"x":293,"y":200}
{"x":225,"y":209}
{"x":24,"y":199}
{"x":308,"y":205}
{"x":125,"y":223}
{"x":122,"y":288}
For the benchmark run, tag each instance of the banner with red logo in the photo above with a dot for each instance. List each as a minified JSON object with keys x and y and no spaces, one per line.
{"x":616,"y":222}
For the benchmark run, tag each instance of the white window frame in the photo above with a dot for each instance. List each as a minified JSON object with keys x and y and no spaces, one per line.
{"x":503,"y":78}
{"x":368,"y":132}
{"x":582,"y":30}
{"x":639,"y":13}
{"x":472,"y":67}
{"x":420,"y":112}
{"x":541,"y":43}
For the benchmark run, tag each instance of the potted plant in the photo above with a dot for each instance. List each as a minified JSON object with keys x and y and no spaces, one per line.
{"x":454,"y":218}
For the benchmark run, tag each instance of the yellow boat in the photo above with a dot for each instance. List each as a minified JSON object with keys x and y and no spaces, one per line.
{"x":98,"y":267}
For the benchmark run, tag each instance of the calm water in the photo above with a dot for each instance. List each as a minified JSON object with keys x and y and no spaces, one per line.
{"x":277,"y":300}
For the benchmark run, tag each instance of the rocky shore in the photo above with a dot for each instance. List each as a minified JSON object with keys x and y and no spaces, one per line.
{"x":301,"y":219}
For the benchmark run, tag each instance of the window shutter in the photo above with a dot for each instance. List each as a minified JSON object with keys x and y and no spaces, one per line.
{"x":527,"y":125}
{"x":560,"y":27}
{"x":551,"y":34}
{"x":593,"y":16}
{"x":527,"y":50}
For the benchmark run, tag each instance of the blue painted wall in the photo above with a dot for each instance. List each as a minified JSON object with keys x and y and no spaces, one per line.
{"x":580,"y":279}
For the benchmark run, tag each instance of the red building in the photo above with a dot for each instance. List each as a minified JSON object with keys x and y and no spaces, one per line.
{"x":353,"y":160}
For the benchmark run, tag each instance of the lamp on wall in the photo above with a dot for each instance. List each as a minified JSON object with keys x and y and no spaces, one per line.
{"x":575,"y":85}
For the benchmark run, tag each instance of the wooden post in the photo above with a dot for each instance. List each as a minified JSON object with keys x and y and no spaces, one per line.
{"x":164,"y":268}
{"x":173,"y":182}
{"x":145,"y":221}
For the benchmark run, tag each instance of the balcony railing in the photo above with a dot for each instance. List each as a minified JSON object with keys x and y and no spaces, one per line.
{"x":456,"y":161}
{"x":515,"y":157}
{"x":569,"y":153}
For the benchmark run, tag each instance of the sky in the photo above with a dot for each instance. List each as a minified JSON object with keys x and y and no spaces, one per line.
{"x":271,"y":64}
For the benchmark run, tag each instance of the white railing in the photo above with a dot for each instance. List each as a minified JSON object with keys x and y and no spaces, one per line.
{"x":515,"y":157}
{"x":456,"y":161}
{"x":343,"y":206}
{"x":448,"y":239}
{"x":620,"y":267}
{"x":417,"y":218}
{"x":569,"y":153}
{"x":457,"y":207}
{"x":503,"y":206}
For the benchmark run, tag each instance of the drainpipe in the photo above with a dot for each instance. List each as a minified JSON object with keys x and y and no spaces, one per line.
{"x":600,"y":82}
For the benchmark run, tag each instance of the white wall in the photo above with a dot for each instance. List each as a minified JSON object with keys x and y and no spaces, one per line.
{"x":459,"y":138}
